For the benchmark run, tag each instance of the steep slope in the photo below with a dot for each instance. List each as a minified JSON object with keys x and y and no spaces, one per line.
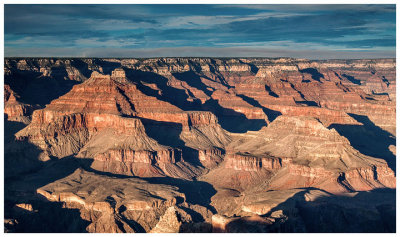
{"x":102,"y":119}
{"x":200,"y":145}
{"x":313,"y":156}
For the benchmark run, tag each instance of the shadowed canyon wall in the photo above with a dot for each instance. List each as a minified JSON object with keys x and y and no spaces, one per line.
{"x":199,"y":145}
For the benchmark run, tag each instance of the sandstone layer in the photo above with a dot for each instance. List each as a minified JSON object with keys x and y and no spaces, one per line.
{"x":200,"y":145}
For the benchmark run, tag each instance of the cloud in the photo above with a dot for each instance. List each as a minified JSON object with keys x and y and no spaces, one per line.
{"x":288,"y":28}
{"x":315,"y":7}
{"x":200,"y":52}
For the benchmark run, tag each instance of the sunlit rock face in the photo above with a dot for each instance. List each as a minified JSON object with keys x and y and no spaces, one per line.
{"x":200,"y":145}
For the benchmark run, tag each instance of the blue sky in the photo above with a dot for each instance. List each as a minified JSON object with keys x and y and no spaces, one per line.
{"x":301,"y":31}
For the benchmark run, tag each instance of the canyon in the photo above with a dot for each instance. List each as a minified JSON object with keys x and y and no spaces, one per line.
{"x":167,"y":145}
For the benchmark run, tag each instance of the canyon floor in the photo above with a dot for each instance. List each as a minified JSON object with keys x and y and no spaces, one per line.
{"x":199,"y":145}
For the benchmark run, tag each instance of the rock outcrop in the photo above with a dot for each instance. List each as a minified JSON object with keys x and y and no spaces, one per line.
{"x":200,"y":145}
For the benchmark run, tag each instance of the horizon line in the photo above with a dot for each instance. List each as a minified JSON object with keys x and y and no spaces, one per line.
{"x":223,"y":57}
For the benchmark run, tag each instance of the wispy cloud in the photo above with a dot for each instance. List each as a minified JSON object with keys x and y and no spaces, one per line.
{"x":202,"y":52}
{"x":146,"y":29}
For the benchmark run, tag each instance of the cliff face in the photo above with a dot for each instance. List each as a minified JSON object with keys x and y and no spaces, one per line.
{"x":14,"y":109}
{"x":222,"y":134}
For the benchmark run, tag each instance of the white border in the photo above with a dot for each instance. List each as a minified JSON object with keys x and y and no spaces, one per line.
{"x":187,"y":2}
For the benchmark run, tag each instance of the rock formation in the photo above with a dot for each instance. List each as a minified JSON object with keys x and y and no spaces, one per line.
{"x":200,"y":145}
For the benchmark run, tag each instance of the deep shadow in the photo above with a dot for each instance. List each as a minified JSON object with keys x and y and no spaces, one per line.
{"x":216,"y":73}
{"x":367,"y":212}
{"x":107,"y":66}
{"x":169,"y":94}
{"x":196,"y":227}
{"x":229,"y":119}
{"x":382,"y":93}
{"x":165,"y":133}
{"x":196,"y":217}
{"x":193,"y":80}
{"x":270,"y":92}
{"x":341,"y":214}
{"x":271,"y":114}
{"x":196,"y":192}
{"x":307,"y":103}
{"x":168,"y":134}
{"x":253,"y":68}
{"x":82,"y":66}
{"x":386,"y":81}
{"x":352,"y":79}
{"x":24,"y":173}
{"x":315,"y":75}
{"x":49,"y":216}
{"x":11,"y":128}
{"x":133,"y":224}
{"x":36,"y":89}
{"x":19,"y":156}
{"x":369,"y":139}
{"x":246,"y":225}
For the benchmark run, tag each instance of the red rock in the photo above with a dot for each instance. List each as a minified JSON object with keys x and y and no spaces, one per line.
{"x":169,"y":117}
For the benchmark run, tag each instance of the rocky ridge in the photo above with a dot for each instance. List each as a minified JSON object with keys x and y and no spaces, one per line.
{"x":240,"y":130}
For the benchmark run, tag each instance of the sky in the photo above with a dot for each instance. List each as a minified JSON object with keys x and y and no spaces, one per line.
{"x":299,"y":31}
